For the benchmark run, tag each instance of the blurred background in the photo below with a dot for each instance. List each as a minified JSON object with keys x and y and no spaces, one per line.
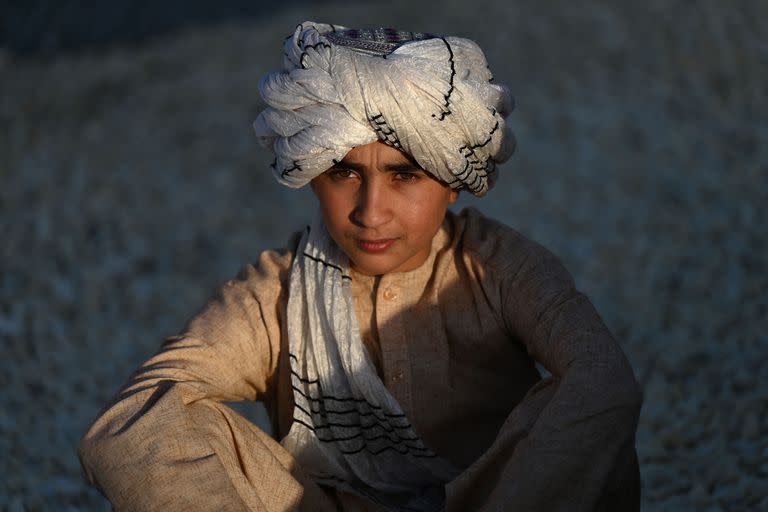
{"x":131,"y":187}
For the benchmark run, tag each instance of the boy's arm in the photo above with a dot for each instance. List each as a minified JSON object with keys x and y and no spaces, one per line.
{"x":152,"y":448}
{"x":583,"y":422}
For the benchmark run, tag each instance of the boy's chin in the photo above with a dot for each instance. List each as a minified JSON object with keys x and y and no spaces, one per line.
{"x":377,"y":265}
{"x":372,"y":269}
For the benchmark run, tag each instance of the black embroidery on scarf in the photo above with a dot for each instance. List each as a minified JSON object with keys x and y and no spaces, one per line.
{"x":342,"y":400}
{"x":378,"y":119}
{"x":327,"y":264}
{"x":446,"y":108}
{"x":303,"y":35}
{"x":288,"y":170}
{"x":356,"y":400}
{"x":486,"y":141}
{"x":388,"y":429}
{"x":472,"y":164}
{"x":385,"y":132}
{"x":391,"y":431}
{"x":476,"y":166}
{"x":401,"y":448}
{"x":473,"y":186}
{"x":303,"y":47}
{"x":285,"y":54}
{"x":383,"y":423}
{"x":465,"y":172}
{"x":481,"y":167}
{"x":314,"y":47}
{"x":381,"y":419}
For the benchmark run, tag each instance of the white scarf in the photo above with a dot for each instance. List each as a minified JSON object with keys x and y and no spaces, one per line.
{"x":431,"y":97}
{"x":348,"y":431}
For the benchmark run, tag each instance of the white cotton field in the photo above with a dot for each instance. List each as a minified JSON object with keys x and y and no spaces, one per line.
{"x":131,"y":187}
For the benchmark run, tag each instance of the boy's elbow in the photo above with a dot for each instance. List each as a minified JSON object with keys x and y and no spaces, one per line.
{"x":634,"y":397}
{"x":91,"y":451}
{"x":616,"y":388}
{"x":627,"y":393}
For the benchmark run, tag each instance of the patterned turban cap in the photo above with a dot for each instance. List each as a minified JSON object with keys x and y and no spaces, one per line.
{"x":429,"y":96}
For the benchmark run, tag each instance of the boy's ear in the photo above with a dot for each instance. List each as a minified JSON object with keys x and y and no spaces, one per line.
{"x":454,"y":196}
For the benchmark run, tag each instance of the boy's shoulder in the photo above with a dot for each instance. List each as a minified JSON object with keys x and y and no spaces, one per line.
{"x":267,"y":276}
{"x":491,"y":242}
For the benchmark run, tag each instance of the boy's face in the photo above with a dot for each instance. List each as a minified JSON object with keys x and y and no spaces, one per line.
{"x":382,"y":209}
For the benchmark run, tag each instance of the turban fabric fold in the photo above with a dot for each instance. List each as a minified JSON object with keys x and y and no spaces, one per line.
{"x":429,"y":96}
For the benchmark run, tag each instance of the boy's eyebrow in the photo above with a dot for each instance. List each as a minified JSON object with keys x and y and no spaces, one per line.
{"x":404,"y":166}
{"x":347,"y":165}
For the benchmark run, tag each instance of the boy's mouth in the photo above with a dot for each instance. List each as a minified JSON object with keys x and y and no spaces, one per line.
{"x":375,"y":245}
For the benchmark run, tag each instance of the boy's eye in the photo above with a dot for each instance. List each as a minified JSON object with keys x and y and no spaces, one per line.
{"x":407,"y":176}
{"x":341,"y":173}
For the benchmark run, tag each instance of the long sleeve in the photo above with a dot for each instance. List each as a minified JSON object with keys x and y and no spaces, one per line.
{"x":166,"y":442}
{"x":569,"y":445}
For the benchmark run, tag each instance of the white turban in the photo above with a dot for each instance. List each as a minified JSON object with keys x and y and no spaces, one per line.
{"x":429,"y":96}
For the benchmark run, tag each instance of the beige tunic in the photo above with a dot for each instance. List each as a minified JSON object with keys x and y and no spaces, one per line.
{"x":455,"y":342}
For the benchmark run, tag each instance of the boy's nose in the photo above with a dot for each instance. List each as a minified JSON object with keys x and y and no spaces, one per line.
{"x":373,"y":208}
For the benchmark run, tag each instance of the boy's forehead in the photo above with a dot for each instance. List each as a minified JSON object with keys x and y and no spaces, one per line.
{"x":378,"y":152}
{"x":382,"y":162}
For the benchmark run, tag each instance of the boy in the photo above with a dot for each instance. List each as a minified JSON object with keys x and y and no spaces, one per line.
{"x":393,"y":341}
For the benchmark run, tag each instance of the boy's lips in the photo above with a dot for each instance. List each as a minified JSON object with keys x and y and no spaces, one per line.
{"x":379,"y":245}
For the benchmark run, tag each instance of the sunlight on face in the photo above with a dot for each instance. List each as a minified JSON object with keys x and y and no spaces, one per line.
{"x":382,"y":209}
